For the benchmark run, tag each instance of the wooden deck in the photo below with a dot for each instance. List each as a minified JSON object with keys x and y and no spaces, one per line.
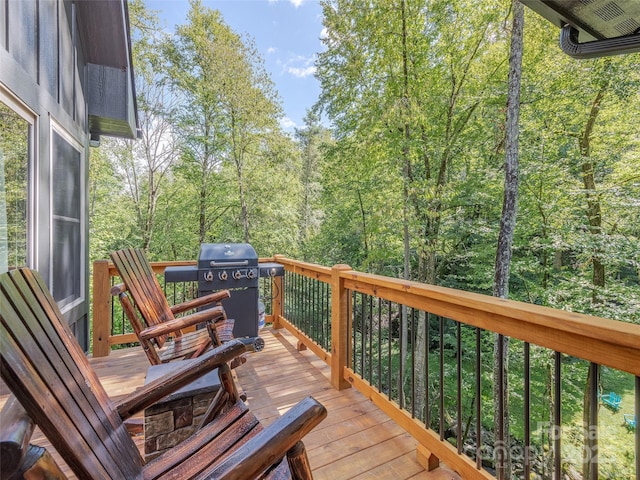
{"x":355,"y":441}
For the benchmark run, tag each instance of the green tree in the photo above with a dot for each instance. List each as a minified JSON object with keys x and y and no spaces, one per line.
{"x":229,"y":109}
{"x":311,"y":139}
{"x":505,"y":237}
{"x":143,"y":164}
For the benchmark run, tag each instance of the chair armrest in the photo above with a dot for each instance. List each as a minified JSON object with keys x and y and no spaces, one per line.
{"x":17,"y":428}
{"x":117,"y":289}
{"x":168,"y":327}
{"x":215,"y":297}
{"x":185,"y":373}
{"x":272,"y":443}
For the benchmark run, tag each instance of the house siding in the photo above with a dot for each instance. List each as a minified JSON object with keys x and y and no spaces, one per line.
{"x":42,"y":64}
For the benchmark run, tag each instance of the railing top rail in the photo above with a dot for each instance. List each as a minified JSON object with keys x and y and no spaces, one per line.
{"x":601,"y":340}
{"x":307,"y":269}
{"x":157,"y":267}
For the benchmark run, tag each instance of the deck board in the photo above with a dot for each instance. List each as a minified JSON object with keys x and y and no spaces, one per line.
{"x":355,"y":441}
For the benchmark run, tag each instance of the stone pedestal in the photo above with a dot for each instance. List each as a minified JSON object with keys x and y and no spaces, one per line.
{"x":176,"y":416}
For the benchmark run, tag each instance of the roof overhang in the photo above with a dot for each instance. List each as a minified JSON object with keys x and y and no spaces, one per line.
{"x":593,"y":28}
{"x":111,"y":96}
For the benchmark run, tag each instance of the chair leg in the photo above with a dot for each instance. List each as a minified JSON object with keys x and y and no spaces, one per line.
{"x":299,"y":463}
{"x":215,"y":407}
{"x":227,"y":383}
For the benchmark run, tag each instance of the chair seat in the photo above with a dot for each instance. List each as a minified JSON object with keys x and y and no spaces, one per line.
{"x":192,"y":343}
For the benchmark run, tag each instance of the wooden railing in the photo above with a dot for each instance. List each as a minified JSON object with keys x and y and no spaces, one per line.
{"x":430,"y":373}
{"x":106,"y":313}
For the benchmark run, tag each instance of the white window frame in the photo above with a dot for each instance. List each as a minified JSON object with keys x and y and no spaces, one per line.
{"x":60,"y":130}
{"x":31,"y":118}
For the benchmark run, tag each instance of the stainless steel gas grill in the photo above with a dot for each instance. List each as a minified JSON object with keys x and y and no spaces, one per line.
{"x":232,"y":266}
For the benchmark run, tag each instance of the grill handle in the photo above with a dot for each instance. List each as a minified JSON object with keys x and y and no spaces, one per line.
{"x":240,"y":263}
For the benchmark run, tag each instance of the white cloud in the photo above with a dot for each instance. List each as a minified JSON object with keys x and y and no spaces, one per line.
{"x":271,"y":50}
{"x":296,"y":3}
{"x":287,"y":124}
{"x":300,"y":66}
{"x":302,"y":72}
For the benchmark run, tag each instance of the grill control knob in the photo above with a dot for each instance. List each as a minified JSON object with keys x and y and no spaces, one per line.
{"x":237,"y":274}
{"x":251,"y":274}
{"x":208,"y":276}
{"x":222,"y":275}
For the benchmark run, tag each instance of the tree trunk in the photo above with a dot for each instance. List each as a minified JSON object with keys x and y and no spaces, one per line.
{"x":594,"y":217}
{"x":505,"y":241}
{"x":594,"y":213}
{"x":406,"y":174}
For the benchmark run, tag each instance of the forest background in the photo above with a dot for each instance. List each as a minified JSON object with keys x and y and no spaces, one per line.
{"x":400,"y":165}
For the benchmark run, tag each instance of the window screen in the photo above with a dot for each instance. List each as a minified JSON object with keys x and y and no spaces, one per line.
{"x":66,"y":197}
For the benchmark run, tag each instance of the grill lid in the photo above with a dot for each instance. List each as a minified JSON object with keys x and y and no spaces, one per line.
{"x":224,"y":255}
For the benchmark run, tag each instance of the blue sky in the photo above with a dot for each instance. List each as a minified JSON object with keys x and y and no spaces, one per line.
{"x":287,"y":35}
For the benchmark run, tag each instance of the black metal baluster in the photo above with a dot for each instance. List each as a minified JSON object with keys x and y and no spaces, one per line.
{"x":296,"y":300}
{"x":354,"y":299}
{"x":362,"y":335}
{"x":325,"y":311}
{"x":370,"y":336}
{"x":379,"y":344}
{"x":299,"y":294}
{"x":479,"y":400}
{"x":318,"y":312}
{"x":401,"y":357}
{"x":636,"y":415}
{"x":441,"y":386}
{"x":592,"y":440}
{"x":459,"y":385}
{"x":427,"y":409}
{"x":113,"y":309}
{"x":557,"y":417}
{"x":413,"y":363}
{"x":499,"y":444}
{"x":389,"y":349}
{"x":308,"y":306}
{"x":313,"y":313}
{"x":527,"y":410}
{"x":328,"y":317}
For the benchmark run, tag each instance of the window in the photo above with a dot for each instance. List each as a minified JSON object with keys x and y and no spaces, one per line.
{"x":16,"y":133}
{"x":67,"y":248}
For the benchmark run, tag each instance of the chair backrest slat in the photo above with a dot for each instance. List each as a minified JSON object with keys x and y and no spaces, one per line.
{"x":138,"y":277}
{"x":50,"y":375}
{"x":142,"y":272}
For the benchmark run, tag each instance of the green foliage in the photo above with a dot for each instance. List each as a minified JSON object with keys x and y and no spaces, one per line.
{"x":415,"y":93}
{"x":412,"y":167}
{"x":399,"y":163}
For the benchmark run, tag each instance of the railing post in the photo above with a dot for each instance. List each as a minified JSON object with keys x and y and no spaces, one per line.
{"x":277,"y":301}
{"x":101,"y":308}
{"x":277,"y":294}
{"x":339,"y":327}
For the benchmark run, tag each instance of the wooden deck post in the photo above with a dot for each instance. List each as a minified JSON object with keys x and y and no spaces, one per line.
{"x":101,"y":308}
{"x":339,"y":327}
{"x":426,"y":458}
{"x":277,"y":302}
